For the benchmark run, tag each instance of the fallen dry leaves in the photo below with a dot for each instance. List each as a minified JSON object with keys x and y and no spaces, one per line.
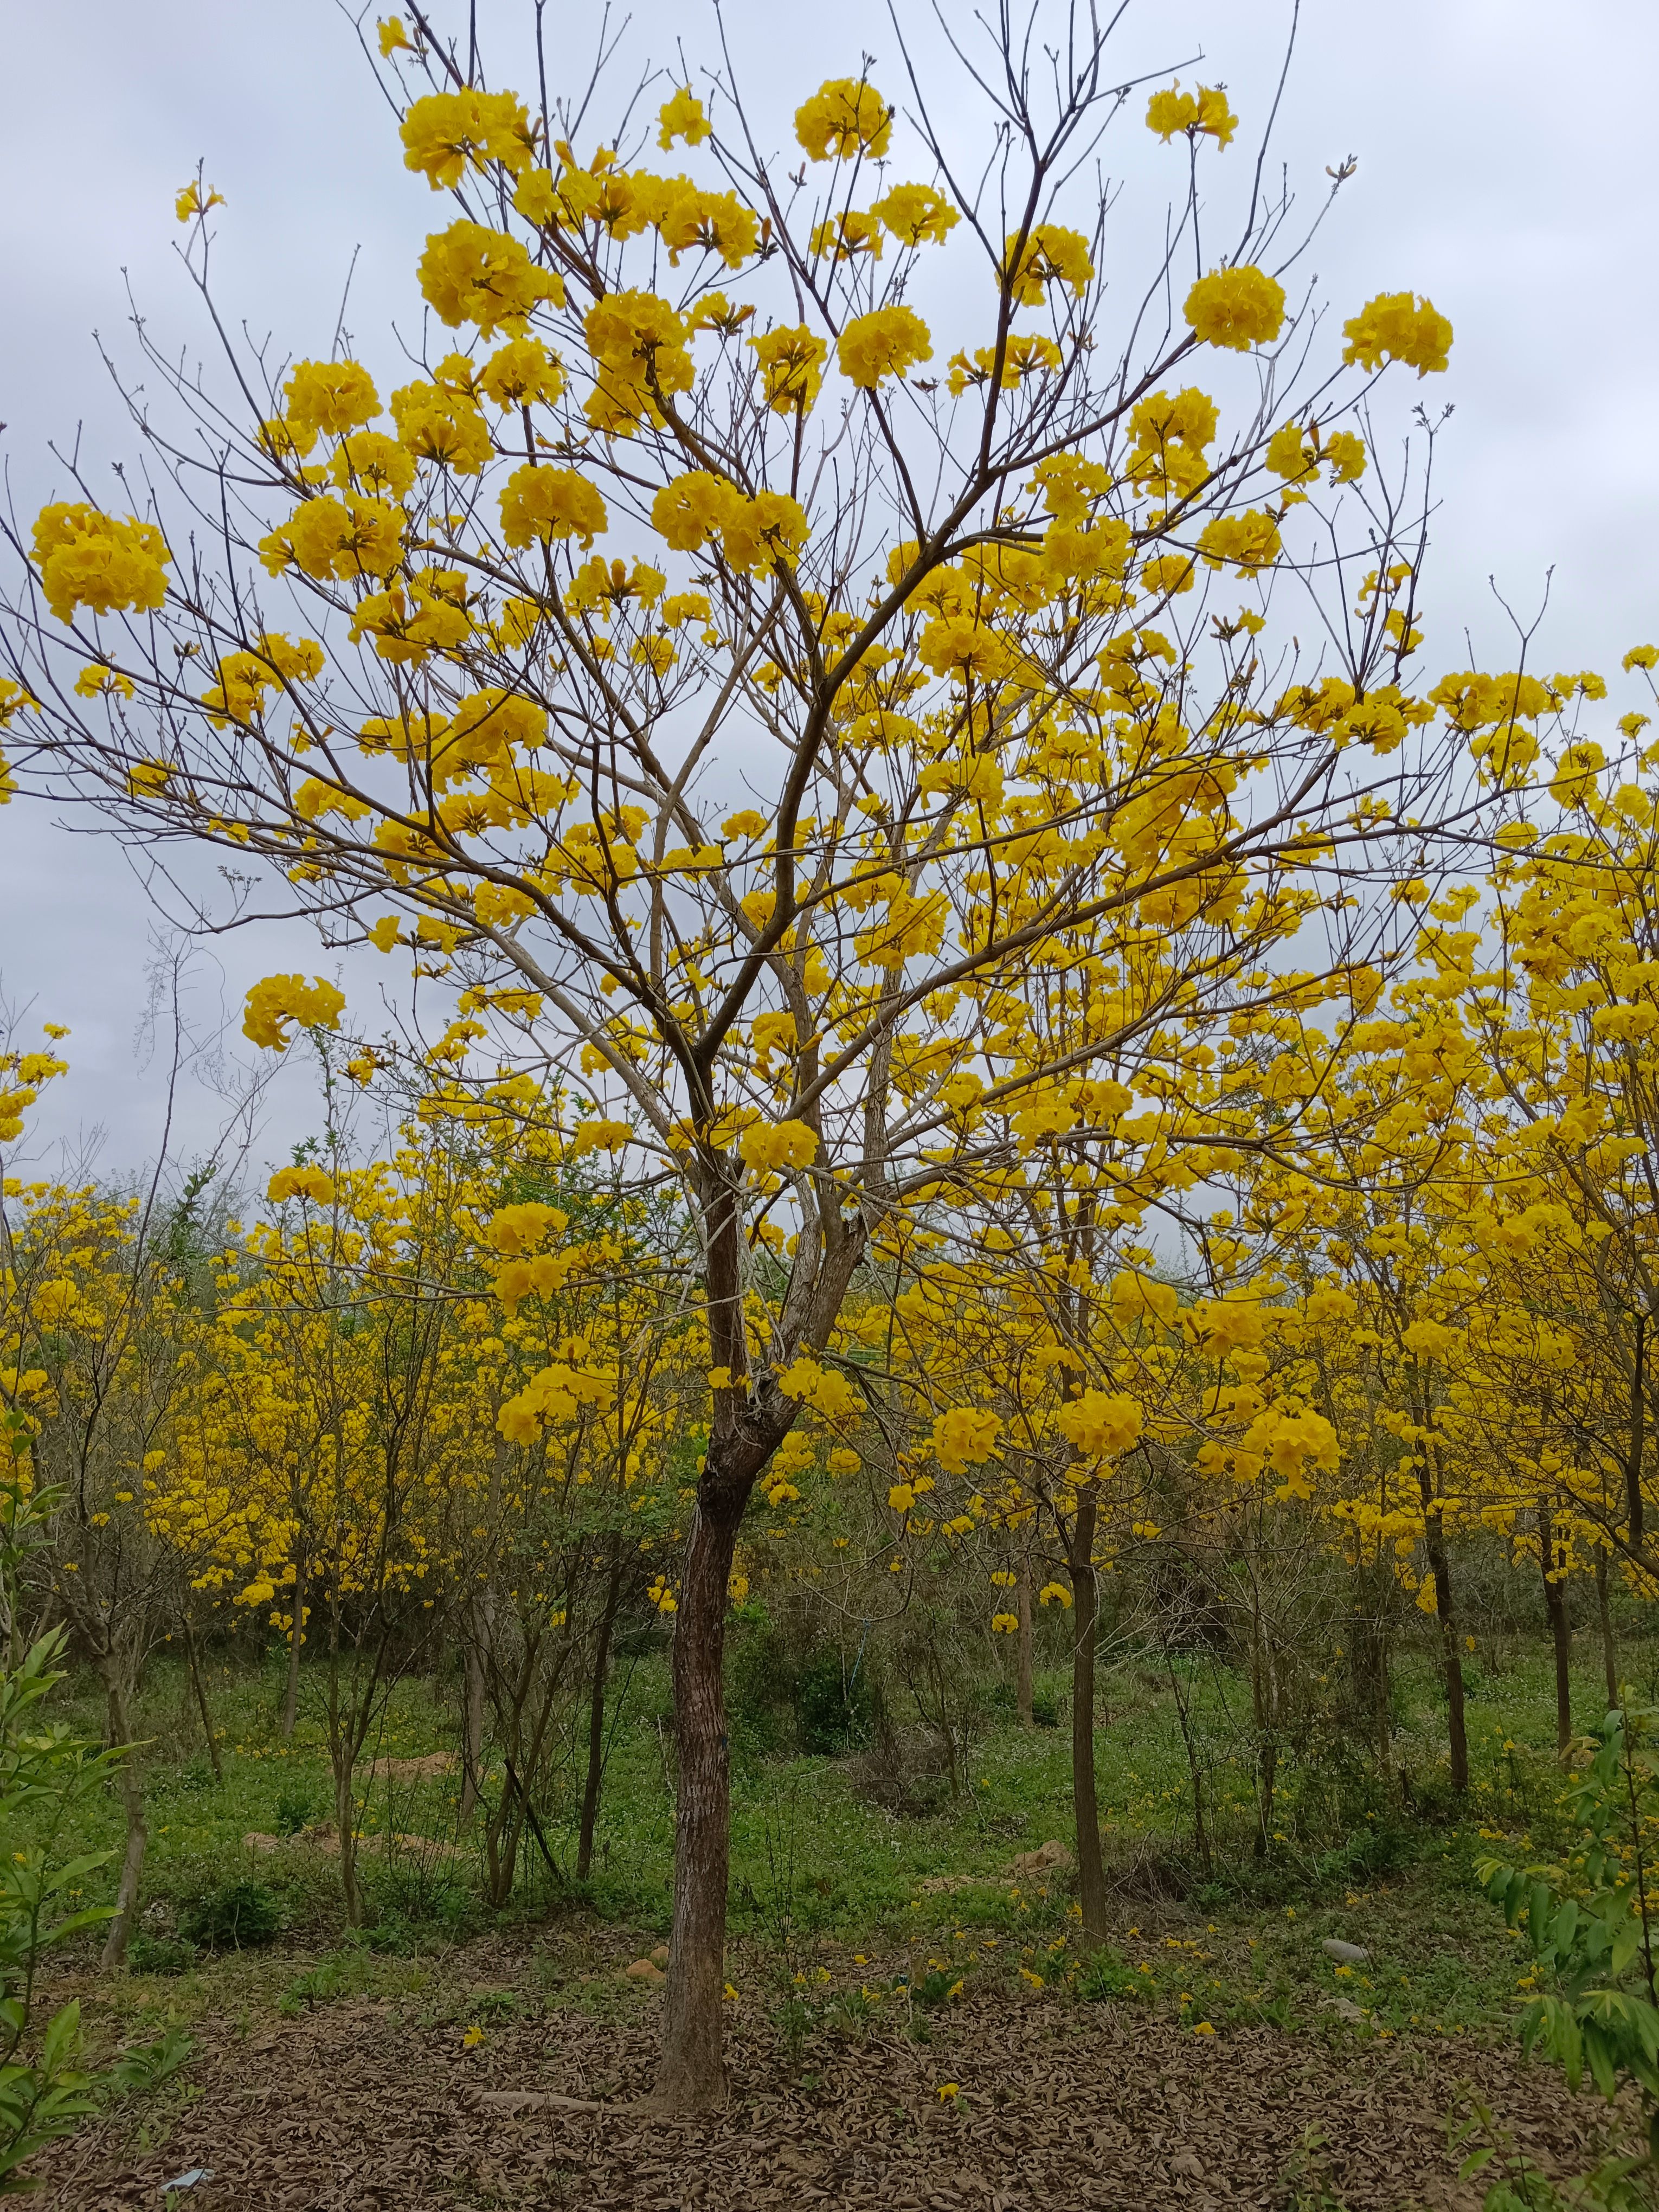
{"x":363,"y":2105}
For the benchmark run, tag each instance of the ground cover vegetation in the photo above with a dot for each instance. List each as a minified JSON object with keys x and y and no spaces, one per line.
{"x":999,"y":1181}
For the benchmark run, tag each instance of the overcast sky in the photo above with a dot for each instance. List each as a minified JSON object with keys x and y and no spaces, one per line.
{"x":1507,"y":160}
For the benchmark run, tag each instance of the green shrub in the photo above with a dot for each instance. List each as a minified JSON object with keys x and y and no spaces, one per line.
{"x":1106,"y":1977}
{"x":159,"y":1954}
{"x":237,"y":1916}
{"x":834,"y":1712}
{"x":46,"y":1775}
{"x":140,"y":2071}
{"x":294,"y":1806}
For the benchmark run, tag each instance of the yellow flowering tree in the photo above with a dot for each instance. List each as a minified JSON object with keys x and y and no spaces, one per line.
{"x":712,"y":670}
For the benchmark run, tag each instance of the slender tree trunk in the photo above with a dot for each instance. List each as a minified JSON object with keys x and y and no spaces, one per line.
{"x":1451,"y":1659}
{"x":1370,"y":1659}
{"x":595,"y":1779}
{"x":1023,"y":1684}
{"x":117,"y":1692}
{"x":475,"y":1663}
{"x":480,"y":1657}
{"x":344,"y":1742}
{"x":296,"y":1638}
{"x":1555,"y":1605}
{"x":200,"y":1688}
{"x":1194,"y":1764}
{"x":345,"y":1821}
{"x":1638,"y":1401}
{"x":1267,"y":1747}
{"x":691,"y":2076}
{"x":1086,"y":1804}
{"x":1609,"y":1654}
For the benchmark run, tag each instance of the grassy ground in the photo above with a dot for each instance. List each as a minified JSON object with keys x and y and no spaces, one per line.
{"x":815,"y":1861}
{"x":851,"y":1923}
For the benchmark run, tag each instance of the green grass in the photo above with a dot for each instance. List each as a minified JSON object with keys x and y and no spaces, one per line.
{"x":829,"y":1911}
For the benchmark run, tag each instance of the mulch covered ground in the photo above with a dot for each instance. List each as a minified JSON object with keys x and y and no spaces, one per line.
{"x":1061,"y":2105}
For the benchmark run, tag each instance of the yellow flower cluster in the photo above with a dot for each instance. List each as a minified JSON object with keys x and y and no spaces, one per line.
{"x":1237,"y":308}
{"x":346,"y":538}
{"x":430,"y":617}
{"x":90,"y":559}
{"x":470,"y":274}
{"x":276,"y":1000}
{"x":448,"y":133}
{"x":1398,"y":326}
{"x":437,"y":423}
{"x":766,"y":1147}
{"x":1248,"y":541}
{"x":308,"y":1182}
{"x":327,"y":398}
{"x":1204,"y":113}
{"x":368,"y":461}
{"x":1102,"y":1424}
{"x":638,"y":345}
{"x":889,"y":341}
{"x":21,"y":1074}
{"x":1048,"y":254}
{"x":1297,"y":454}
{"x":964,"y":1434}
{"x":682,"y":117}
{"x":549,"y":503}
{"x":791,"y":362}
{"x":553,"y":1397}
{"x":244,"y":678}
{"x":190,"y":202}
{"x":626,"y":203}
{"x":754,"y":533}
{"x":1025,"y":354}
{"x":917,"y":215}
{"x":521,"y":373}
{"x":845,"y":117}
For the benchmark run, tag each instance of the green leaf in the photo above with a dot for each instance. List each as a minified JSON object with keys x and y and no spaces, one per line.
{"x":1626,"y":1945}
{"x":1538,"y":1914}
{"x":1599,"y":2058}
{"x":62,"y":2039}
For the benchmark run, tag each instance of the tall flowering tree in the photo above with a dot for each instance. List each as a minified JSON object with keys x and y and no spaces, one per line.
{"x":795,"y":612}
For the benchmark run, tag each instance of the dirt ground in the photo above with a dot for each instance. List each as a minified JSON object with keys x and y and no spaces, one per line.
{"x":1061,"y":2107}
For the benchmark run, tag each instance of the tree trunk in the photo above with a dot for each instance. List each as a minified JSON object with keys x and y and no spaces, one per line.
{"x":1555,"y":1605}
{"x":200,"y":1689}
{"x":1085,"y":1805}
{"x":117,"y":1692}
{"x":1609,"y":1655}
{"x":295,"y":1637}
{"x":1023,"y":1686}
{"x":1194,"y":1764}
{"x":1434,"y":1542}
{"x":345,"y":1821}
{"x":595,"y":1779}
{"x":480,"y":1657}
{"x":1370,"y":1664}
{"x":476,"y":1662}
{"x":691,"y":2075}
{"x":1266,"y":1745}
{"x":1638,"y":1400}
{"x":751,"y":1418}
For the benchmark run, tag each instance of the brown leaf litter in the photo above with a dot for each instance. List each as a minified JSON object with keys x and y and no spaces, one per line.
{"x":380,"y":2107}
